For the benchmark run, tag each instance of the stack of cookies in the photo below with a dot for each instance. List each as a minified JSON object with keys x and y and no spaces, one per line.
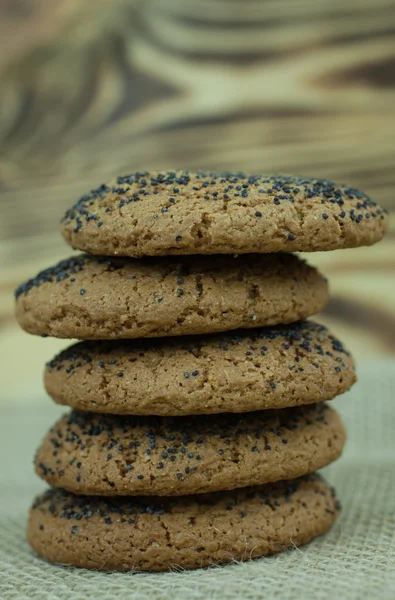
{"x":198,"y":396}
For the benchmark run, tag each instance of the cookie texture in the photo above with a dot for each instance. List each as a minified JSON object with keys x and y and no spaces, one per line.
{"x":86,"y":453}
{"x":153,"y":534}
{"x":180,"y":212}
{"x":88,"y":297}
{"x":263,"y":368}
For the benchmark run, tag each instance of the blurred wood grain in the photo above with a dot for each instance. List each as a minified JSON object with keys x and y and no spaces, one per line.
{"x":93,"y":89}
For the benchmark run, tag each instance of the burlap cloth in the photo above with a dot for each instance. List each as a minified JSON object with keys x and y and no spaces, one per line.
{"x":356,"y":560}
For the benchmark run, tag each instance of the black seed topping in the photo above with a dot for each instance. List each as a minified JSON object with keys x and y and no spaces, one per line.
{"x":176,"y":438}
{"x":303,"y":340}
{"x":59,"y":272}
{"x":141,"y":186}
{"x":78,"y":508}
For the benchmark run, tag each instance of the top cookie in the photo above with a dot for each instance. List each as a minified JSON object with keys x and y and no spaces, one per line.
{"x":181,"y":212}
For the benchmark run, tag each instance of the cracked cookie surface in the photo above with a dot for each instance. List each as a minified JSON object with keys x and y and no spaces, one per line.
{"x":155,"y":534}
{"x":87,"y":297}
{"x":239,"y":371}
{"x":87,"y":453}
{"x":182,"y":212}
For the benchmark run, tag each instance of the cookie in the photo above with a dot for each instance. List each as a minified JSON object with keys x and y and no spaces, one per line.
{"x":180,"y":212}
{"x":272,"y":367}
{"x":86,"y":453}
{"x":159,"y":534}
{"x":88,"y":297}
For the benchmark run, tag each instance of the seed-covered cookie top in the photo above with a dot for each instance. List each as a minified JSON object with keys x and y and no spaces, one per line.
{"x":183,"y":212}
{"x":112,"y":455}
{"x":96,"y":297}
{"x":239,"y":371}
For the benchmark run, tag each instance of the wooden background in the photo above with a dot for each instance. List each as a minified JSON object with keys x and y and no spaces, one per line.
{"x":90,"y":89}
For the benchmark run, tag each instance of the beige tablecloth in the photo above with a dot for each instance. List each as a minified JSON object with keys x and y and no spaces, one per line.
{"x":356,"y":560}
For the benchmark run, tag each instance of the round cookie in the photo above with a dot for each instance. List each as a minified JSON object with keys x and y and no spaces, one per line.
{"x":87,"y":453}
{"x":241,"y":371}
{"x":181,"y":212}
{"x":156,"y":534}
{"x":88,"y":297}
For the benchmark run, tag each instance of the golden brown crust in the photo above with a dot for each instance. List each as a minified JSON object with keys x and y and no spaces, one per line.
{"x":153,"y":213}
{"x":86,"y":453}
{"x":152,"y":534}
{"x":240,"y":371}
{"x":89,"y":297}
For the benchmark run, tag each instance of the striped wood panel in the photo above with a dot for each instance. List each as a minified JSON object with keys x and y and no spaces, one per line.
{"x":91,"y":89}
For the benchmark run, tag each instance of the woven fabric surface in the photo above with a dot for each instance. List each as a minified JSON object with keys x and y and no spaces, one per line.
{"x":355,"y":560}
